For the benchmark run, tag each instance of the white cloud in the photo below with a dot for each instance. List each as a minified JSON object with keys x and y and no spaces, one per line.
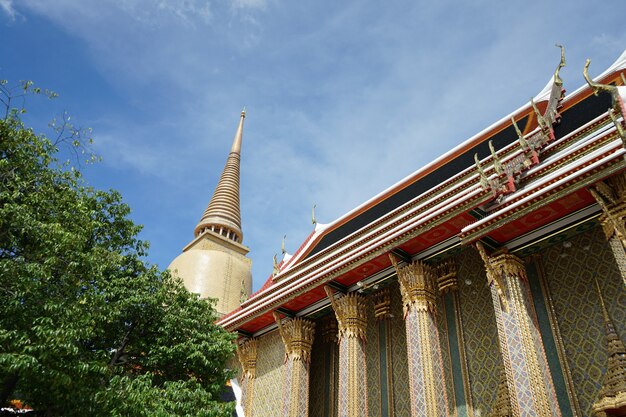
{"x":8,"y":9}
{"x":249,"y":4}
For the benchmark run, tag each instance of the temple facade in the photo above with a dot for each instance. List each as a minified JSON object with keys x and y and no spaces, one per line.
{"x":490,"y":282}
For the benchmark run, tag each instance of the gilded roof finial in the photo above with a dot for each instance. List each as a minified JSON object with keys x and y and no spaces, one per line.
{"x":612,"y":394}
{"x":596,"y":87}
{"x":540,"y":120}
{"x":484,"y":181}
{"x":275,"y":269}
{"x":496,"y":162}
{"x":557,"y":77}
{"x":523,"y":143}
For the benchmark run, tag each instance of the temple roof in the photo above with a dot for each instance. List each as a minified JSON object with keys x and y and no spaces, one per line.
{"x":527,"y":172}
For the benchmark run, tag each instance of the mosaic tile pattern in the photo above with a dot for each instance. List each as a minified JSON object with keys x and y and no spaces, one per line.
{"x":361,"y":379}
{"x":569,"y":271}
{"x":417,"y":386}
{"x":479,"y":332}
{"x":401,"y":405}
{"x":342,"y":393}
{"x":303,"y":391}
{"x":373,"y":364}
{"x":287,"y":376}
{"x":268,"y":384}
{"x":515,"y":359}
{"x":437,"y":361}
{"x":352,"y":375}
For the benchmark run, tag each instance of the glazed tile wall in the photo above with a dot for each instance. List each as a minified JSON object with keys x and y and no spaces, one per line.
{"x":268,"y":384}
{"x":479,"y":333}
{"x":569,"y":269}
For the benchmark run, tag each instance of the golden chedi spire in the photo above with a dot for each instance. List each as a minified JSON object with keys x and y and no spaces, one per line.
{"x":223,"y":215}
{"x":214,"y":264}
{"x":612,"y":396}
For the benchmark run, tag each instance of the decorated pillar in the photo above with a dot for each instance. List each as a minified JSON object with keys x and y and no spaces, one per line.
{"x":246,"y":351}
{"x":382,"y":313}
{"x":426,"y":376}
{"x":611,"y":196}
{"x":528,"y":377}
{"x":447,"y":282}
{"x":328,"y":334}
{"x":351,"y":313}
{"x":297,"y":335}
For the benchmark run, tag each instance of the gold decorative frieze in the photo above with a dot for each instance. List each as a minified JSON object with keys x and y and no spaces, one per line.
{"x":297,"y":335}
{"x":351,"y":313}
{"x":446,"y":276}
{"x":417,"y":285}
{"x":246,"y":351}
{"x":382,"y":304}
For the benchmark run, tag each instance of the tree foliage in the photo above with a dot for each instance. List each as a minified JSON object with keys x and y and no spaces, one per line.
{"x":87,"y":327}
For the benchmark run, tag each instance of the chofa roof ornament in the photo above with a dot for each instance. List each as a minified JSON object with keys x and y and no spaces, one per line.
{"x":557,"y":78}
{"x":595,"y":86}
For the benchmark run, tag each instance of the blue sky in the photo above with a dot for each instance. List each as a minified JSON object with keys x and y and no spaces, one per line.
{"x":344,"y":98}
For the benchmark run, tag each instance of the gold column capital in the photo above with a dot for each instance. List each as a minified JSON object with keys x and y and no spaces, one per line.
{"x":247,"y":354}
{"x":351,"y":313}
{"x":328,"y":329}
{"x":498,"y":266}
{"x":611,"y":196}
{"x":417,"y":285}
{"x":382,"y":304}
{"x":297,"y":335}
{"x":446,"y":276}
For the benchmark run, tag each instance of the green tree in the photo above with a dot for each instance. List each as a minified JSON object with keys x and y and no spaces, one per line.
{"x":87,"y":327}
